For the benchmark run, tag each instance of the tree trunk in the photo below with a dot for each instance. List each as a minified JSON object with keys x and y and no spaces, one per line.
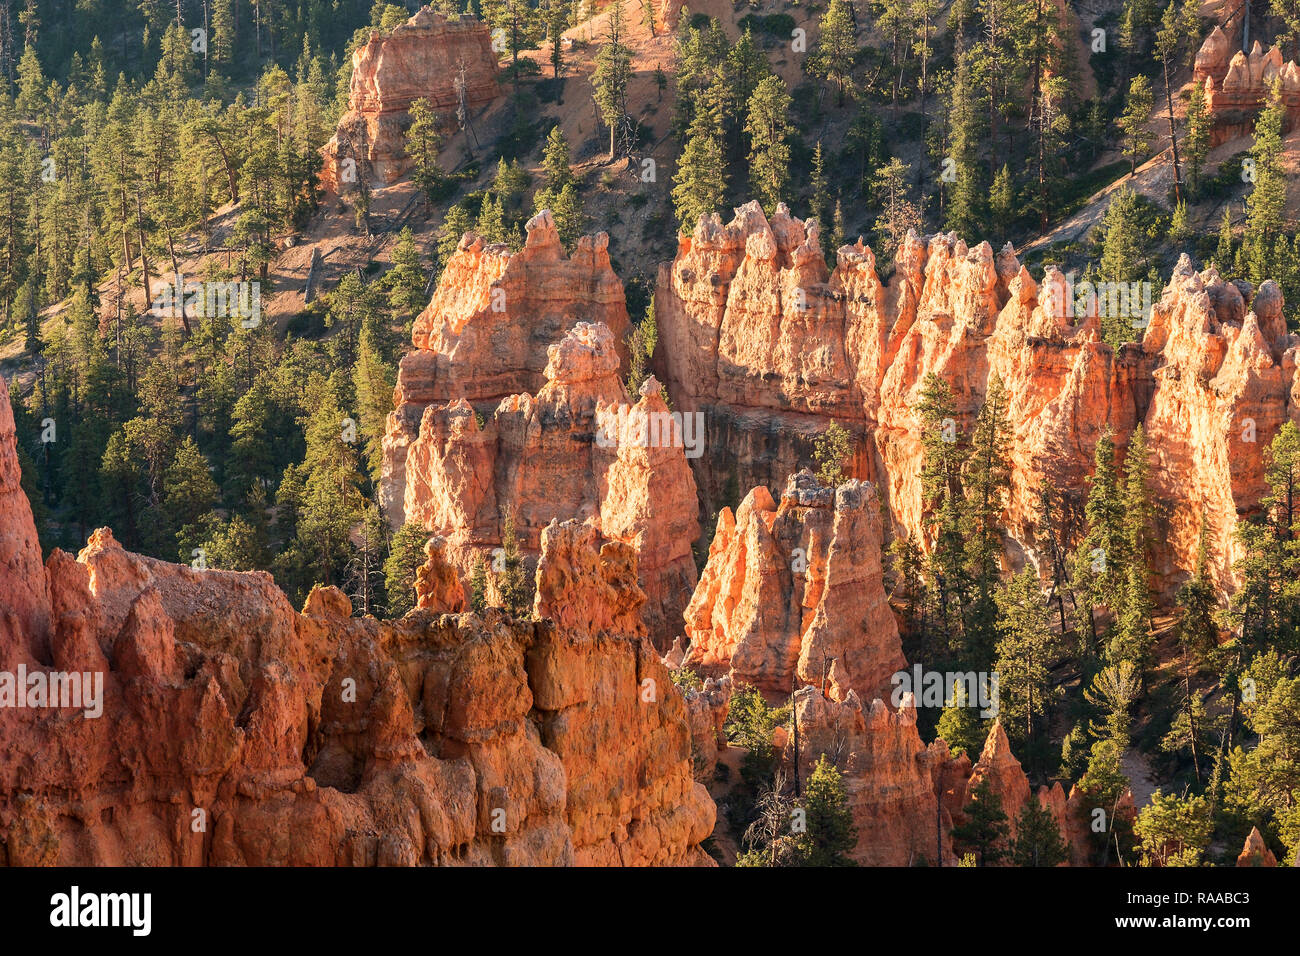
{"x":1173,"y":137}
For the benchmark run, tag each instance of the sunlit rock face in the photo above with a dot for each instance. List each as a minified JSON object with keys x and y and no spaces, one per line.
{"x":422,"y":58}
{"x":756,"y":335}
{"x":223,"y":727}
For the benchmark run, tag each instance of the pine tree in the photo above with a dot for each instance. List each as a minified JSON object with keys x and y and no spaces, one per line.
{"x":405,"y":556}
{"x":1024,"y":654}
{"x":1267,"y":202}
{"x":769,"y":130}
{"x":961,"y":726}
{"x":520,"y":24}
{"x":986,"y":483}
{"x":405,"y":281}
{"x":422,"y":143}
{"x":555,"y":160}
{"x":610,"y":78}
{"x":373,"y":379}
{"x":1099,"y":567}
{"x":1123,"y":260}
{"x":512,"y":582}
{"x":985,"y":830}
{"x":899,"y":214}
{"x":188,"y":494}
{"x":1133,"y":122}
{"x":836,"y":50}
{"x":964,"y":214}
{"x":1038,"y":837}
{"x":1197,"y":144}
{"x":1173,"y":830}
{"x":1132,"y":640}
{"x":700,"y":183}
{"x":908,"y":565}
{"x":478,"y":586}
{"x":831,"y":835}
{"x":1002,"y":198}
{"x":454,"y":226}
{"x":820,"y":201}
{"x":642,"y":341}
{"x":1169,"y":40}
{"x":366,"y":574}
{"x":832,"y":448}
{"x":332,"y":502}
{"x":556,"y":13}
{"x":941,"y":459}
{"x":1223,"y":256}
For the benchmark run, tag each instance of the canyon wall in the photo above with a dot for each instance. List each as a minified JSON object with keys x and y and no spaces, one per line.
{"x":234,"y":730}
{"x":753,"y":330}
{"x":422,"y":58}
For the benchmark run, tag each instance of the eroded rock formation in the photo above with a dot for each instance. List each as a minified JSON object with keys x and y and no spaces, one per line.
{"x":753,"y":330}
{"x":437,"y":585}
{"x":485,"y":334}
{"x":956,"y":780}
{"x":706,"y":710}
{"x":795,"y":590}
{"x":237,"y":731}
{"x":1256,"y":851}
{"x":547,"y":456}
{"x":422,"y":58}
{"x":1237,"y":83}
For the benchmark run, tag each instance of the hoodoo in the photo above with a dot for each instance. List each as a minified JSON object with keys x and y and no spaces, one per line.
{"x":429,"y":57}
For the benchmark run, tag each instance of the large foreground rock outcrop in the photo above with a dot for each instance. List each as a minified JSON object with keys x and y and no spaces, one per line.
{"x":428,"y":57}
{"x":230,"y":729}
{"x":756,"y":335}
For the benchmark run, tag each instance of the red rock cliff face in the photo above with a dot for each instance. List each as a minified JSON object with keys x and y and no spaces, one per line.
{"x":421,"y":58}
{"x":237,"y":731}
{"x":1211,"y":378}
{"x":752,"y":335}
{"x":788,"y":589}
{"x":548,"y":456}
{"x":486,"y":332}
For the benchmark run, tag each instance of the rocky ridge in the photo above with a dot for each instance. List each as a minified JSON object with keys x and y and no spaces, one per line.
{"x":753,"y":330}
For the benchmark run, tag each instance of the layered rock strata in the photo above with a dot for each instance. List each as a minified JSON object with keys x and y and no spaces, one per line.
{"x":428,"y":57}
{"x":753,"y":328}
{"x":230,"y":729}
